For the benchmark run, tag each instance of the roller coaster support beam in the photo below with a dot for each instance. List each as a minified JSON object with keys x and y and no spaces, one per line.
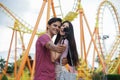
{"x":82,"y":43}
{"x":33,"y":35}
{"x":30,"y":42}
{"x":6,"y":65}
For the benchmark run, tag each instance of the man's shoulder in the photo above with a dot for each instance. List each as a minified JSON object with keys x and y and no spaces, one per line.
{"x":43,"y":35}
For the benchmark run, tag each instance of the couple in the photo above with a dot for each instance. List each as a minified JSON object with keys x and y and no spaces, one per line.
{"x":49,"y":54}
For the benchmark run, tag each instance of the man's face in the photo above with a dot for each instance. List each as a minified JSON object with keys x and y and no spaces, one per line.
{"x":54,"y":27}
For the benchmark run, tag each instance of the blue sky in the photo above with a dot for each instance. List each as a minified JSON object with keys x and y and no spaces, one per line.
{"x":28,"y":11}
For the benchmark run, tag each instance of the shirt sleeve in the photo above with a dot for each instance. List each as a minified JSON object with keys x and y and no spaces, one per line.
{"x":44,"y":39}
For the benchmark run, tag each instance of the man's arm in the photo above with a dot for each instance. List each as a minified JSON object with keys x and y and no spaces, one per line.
{"x":54,"y":56}
{"x":56,"y":50}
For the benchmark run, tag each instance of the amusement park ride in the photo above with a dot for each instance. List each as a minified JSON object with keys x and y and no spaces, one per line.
{"x":107,"y":64}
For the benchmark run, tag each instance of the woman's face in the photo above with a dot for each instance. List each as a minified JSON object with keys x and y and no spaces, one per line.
{"x":65,"y":25}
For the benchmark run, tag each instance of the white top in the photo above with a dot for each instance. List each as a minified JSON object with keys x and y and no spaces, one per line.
{"x":64,"y":54}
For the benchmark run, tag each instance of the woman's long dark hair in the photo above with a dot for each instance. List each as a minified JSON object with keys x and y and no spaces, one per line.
{"x":72,"y":44}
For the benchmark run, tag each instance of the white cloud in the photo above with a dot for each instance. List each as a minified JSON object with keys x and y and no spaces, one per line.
{"x":5,"y":35}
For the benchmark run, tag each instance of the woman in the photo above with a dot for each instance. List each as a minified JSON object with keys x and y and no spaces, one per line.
{"x":66,"y":36}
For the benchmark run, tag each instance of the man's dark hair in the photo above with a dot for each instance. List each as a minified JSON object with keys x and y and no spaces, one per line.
{"x":54,"y":19}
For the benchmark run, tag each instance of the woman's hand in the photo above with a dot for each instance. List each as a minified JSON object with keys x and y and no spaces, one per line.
{"x":64,"y":61}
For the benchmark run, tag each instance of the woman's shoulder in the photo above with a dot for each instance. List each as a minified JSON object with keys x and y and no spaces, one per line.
{"x":66,"y":41}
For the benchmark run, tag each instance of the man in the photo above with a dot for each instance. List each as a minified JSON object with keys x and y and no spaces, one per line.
{"x":47,"y":52}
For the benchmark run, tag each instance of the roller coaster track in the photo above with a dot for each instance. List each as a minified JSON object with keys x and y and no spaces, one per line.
{"x":22,"y":25}
{"x":18,"y":26}
{"x":71,"y":14}
{"x":101,"y":8}
{"x":27,"y":28}
{"x":75,"y":5}
{"x":114,"y":67}
{"x":114,"y":48}
{"x":111,"y":65}
{"x":116,"y":43}
{"x":58,"y":7}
